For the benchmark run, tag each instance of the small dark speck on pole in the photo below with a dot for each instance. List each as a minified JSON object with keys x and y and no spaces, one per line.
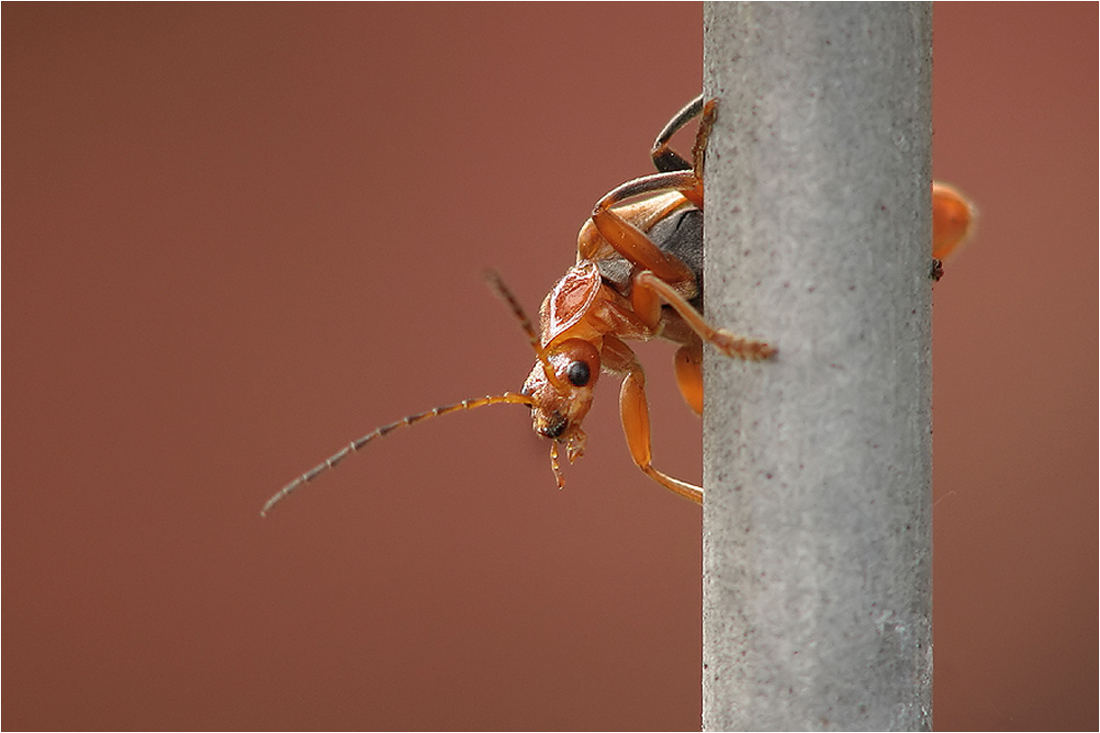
{"x":817,"y":464}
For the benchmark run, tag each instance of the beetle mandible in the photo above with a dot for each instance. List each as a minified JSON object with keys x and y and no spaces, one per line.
{"x":637,"y":276}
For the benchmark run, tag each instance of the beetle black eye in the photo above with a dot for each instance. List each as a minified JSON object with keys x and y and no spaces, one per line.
{"x":578,"y":373}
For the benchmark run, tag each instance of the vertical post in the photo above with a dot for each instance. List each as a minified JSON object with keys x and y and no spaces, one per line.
{"x":817,"y":464}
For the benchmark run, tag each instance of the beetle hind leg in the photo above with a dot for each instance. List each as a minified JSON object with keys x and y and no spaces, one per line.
{"x":676,"y":175}
{"x":665,"y":159}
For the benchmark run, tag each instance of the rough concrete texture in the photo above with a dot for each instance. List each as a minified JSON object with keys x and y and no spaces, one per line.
{"x":817,"y":521}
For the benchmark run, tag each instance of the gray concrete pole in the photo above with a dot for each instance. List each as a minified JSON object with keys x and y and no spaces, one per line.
{"x":818,"y":464}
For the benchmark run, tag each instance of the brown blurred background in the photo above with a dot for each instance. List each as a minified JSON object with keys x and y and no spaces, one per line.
{"x":236,"y":236}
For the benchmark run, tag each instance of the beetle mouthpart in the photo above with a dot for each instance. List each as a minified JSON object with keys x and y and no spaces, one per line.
{"x":556,"y":467}
{"x":554,"y":429}
{"x":575,"y":445}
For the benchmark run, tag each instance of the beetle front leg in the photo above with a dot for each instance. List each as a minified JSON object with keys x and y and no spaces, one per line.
{"x":634,"y":413}
{"x":688,"y":366}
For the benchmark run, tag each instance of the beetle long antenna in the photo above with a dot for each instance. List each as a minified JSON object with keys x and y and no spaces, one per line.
{"x":493,"y":279}
{"x":506,"y":398}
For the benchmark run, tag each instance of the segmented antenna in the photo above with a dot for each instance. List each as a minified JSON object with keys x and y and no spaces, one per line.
{"x":497,"y":284}
{"x":493,"y":279}
{"x":332,"y":461}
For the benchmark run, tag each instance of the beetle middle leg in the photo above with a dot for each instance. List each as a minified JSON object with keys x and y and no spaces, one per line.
{"x":649,"y":292}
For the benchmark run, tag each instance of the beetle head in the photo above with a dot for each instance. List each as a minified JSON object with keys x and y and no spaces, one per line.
{"x":562,"y":393}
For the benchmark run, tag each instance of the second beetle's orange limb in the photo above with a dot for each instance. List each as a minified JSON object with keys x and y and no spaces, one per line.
{"x":952,"y":220}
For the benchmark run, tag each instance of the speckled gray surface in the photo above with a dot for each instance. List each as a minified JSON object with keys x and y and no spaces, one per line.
{"x":817,"y":521}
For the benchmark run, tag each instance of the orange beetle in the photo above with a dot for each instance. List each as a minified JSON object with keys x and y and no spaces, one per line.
{"x":638,"y":276}
{"x":952,"y":220}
